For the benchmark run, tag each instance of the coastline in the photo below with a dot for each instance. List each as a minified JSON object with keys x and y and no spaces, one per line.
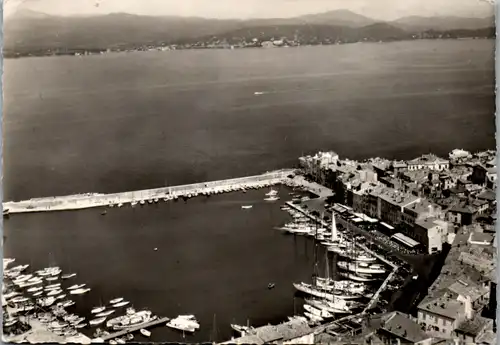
{"x":100,"y":51}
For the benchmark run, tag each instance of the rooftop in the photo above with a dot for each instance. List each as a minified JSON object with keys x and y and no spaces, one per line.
{"x":403,"y":327}
{"x":443,"y":305}
{"x":475,"y":326}
{"x":427,"y":223}
{"x":468,"y":288}
{"x":428,"y":159}
{"x":481,"y":238}
{"x":394,"y":197}
{"x":488,"y":195}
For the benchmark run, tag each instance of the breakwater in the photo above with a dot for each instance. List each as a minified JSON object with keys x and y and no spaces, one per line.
{"x":89,"y":200}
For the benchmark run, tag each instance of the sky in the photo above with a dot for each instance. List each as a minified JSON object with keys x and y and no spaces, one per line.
{"x":377,"y":9}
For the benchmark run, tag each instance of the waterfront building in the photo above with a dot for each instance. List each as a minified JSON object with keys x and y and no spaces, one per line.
{"x":429,"y":161}
{"x":440,"y":315}
{"x":431,"y":233}
{"x":398,"y":328}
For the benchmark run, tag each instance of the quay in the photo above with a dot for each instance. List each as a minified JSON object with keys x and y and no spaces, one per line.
{"x":323,"y":223}
{"x":90,"y":200}
{"x":130,"y":330}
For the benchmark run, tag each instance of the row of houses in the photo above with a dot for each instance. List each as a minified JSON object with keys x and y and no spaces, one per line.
{"x":394,"y":192}
{"x":461,"y":303}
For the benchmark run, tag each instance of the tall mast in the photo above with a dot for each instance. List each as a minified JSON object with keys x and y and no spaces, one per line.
{"x":334,"y":228}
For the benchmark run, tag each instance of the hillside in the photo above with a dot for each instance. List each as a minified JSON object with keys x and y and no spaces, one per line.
{"x":415,"y":23}
{"x":33,"y":33}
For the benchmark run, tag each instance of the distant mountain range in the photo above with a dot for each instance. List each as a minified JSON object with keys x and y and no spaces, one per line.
{"x":28,"y":32}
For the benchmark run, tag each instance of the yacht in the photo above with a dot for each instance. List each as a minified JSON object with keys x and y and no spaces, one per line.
{"x":336,"y":307}
{"x":357,"y":277}
{"x":314,"y":291}
{"x":355,"y":256}
{"x":361,"y":267}
{"x":313,"y":317}
{"x":130,"y":319}
{"x":181,"y":325}
{"x":318,"y":312}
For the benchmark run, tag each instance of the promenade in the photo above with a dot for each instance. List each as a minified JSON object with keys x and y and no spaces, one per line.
{"x":89,"y":200}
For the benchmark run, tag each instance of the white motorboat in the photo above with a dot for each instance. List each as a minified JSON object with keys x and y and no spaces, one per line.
{"x":97,"y":310}
{"x":271,"y":198}
{"x":35,"y":289}
{"x":272,"y":192}
{"x":318,"y":312}
{"x":54,"y":292}
{"x":246,"y":207}
{"x":76,"y":286}
{"x":361,"y":267}
{"x":51,"y":278}
{"x":105,"y":313}
{"x":116,"y":300}
{"x":37,"y":293}
{"x":46,"y":302}
{"x":181,"y":325}
{"x":69,"y":275}
{"x":97,"y":321}
{"x":79,"y":291}
{"x":120,"y":304}
{"x":61,"y":296}
{"x":67,"y":303}
{"x":145,"y":332}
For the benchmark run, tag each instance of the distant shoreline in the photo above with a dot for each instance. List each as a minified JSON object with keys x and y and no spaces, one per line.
{"x":77,"y":52}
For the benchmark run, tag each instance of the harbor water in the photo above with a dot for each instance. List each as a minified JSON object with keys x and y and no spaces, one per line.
{"x":212,"y":258}
{"x":122,"y":122}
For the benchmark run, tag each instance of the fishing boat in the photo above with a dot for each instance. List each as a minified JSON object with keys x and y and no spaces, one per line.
{"x":116,"y":300}
{"x":35,"y":289}
{"x":79,"y":291}
{"x":145,"y":332}
{"x":97,"y":310}
{"x":97,"y":321}
{"x":54,"y":292}
{"x":69,"y":275}
{"x":105,"y":313}
{"x":120,"y":304}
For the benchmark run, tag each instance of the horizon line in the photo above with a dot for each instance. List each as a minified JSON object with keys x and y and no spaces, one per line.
{"x":234,"y":19}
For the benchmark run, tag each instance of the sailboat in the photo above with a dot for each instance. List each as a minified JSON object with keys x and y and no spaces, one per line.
{"x":335,"y":240}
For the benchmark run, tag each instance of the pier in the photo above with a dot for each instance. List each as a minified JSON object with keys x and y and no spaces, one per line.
{"x":382,"y":287}
{"x":90,"y":200}
{"x":132,"y":329}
